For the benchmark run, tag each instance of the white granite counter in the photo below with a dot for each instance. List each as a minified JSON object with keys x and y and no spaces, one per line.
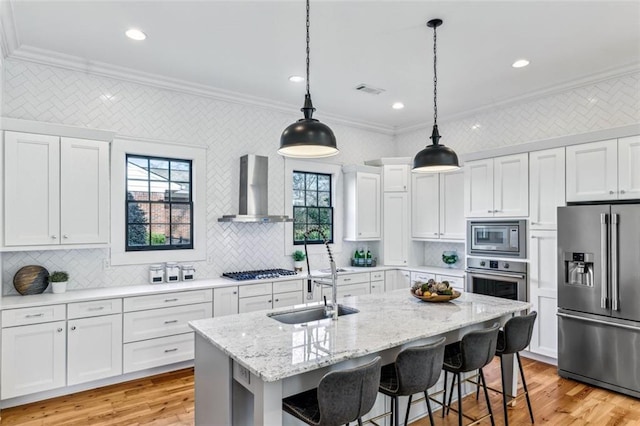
{"x":274,"y":351}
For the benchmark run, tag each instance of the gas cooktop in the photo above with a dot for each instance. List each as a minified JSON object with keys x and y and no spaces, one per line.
{"x":258,"y":274}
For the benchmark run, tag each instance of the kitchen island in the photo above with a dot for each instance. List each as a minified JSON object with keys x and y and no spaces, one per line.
{"x":245,"y":364}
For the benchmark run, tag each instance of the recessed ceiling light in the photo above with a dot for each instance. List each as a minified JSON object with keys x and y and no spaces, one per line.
{"x":135,"y":34}
{"x":397,"y":105}
{"x":296,"y":78}
{"x":476,"y":126}
{"x":520,"y":63}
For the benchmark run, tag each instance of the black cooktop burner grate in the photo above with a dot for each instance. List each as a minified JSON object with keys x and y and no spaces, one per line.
{"x":258,"y":274}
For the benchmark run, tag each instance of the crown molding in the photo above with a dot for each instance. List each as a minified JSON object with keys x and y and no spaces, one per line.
{"x":8,"y":35}
{"x":74,"y":63}
{"x":532,"y":96}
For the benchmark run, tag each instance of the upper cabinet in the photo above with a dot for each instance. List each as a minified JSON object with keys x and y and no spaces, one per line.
{"x":546,"y":187}
{"x":362,"y":194}
{"x":396,"y":177}
{"x":437,"y":205}
{"x":395,"y":247}
{"x":605,"y":170}
{"x":56,"y":190}
{"x":497,"y":187}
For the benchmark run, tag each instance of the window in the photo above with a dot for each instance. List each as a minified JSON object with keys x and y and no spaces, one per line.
{"x":159,"y":206}
{"x":312,"y":207}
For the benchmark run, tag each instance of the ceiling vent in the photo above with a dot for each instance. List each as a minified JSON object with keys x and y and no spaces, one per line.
{"x":365,"y":88}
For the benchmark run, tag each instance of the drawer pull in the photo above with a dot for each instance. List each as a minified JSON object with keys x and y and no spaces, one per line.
{"x":59,"y":329}
{"x":171,"y":322}
{"x":73,"y":327}
{"x":171,"y":300}
{"x":347,"y":295}
{"x":277,"y":300}
{"x":97,"y":308}
{"x":347,"y":279}
{"x":170,"y":350}
{"x":34,"y":315}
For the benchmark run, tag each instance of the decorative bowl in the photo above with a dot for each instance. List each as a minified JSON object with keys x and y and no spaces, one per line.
{"x":437,"y":297}
{"x":449,"y":257}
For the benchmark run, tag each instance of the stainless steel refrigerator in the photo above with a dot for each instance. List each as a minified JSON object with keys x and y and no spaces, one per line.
{"x":599,"y":295}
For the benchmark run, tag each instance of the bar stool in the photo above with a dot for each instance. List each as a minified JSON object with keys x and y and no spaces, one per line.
{"x":415,"y":370}
{"x":341,"y":397}
{"x":514,"y":338}
{"x":473,"y":352}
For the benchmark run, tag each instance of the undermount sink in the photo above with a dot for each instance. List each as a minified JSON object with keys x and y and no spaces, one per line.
{"x":310,"y":314}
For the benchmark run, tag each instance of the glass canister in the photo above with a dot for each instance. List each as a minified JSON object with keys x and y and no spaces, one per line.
{"x":156,"y":273}
{"x":172,"y":272}
{"x":187,"y":272}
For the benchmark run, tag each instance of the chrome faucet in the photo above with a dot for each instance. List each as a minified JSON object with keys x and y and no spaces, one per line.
{"x":330,"y":310}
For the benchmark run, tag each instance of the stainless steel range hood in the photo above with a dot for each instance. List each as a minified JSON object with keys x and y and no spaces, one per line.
{"x":254,"y":193}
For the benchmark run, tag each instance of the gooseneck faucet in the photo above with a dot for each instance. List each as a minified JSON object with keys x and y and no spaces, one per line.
{"x":331,"y":310}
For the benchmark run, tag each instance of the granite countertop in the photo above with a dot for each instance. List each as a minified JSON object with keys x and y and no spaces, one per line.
{"x":273,"y":351}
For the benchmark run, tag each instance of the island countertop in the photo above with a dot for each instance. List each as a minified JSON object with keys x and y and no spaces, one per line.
{"x":274,"y":351}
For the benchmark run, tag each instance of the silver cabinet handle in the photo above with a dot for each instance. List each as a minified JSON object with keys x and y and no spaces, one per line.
{"x":442,"y":233}
{"x":34,"y":315}
{"x":53,"y":237}
{"x":171,"y":321}
{"x":533,"y":237}
{"x":622,"y":191}
{"x":612,"y":192}
{"x":59,"y":329}
{"x":73,"y":327}
{"x":533,"y":223}
{"x":170,"y":300}
{"x":489,"y":211}
{"x":346,"y":279}
{"x":603,"y":260}
{"x":268,"y":301}
{"x":170,"y":350}
{"x":65,"y":236}
{"x":235,"y":292}
{"x":347,"y":295}
{"x":435,"y":233}
{"x":614,"y":261}
{"x":585,"y":319}
{"x":98,"y":308}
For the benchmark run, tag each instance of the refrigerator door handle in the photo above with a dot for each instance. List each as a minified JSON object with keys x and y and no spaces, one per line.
{"x":597,"y":321}
{"x":603,"y":260}
{"x":614,"y":261}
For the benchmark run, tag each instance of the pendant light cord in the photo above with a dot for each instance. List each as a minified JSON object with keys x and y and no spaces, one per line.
{"x":308,"y":50}
{"x":435,"y":79}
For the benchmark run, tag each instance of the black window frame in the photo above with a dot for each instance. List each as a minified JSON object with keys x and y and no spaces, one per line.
{"x":169,"y":203}
{"x":330,"y":208}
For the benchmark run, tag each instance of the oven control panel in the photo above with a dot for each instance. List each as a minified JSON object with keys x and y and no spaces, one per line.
{"x":497,"y":265}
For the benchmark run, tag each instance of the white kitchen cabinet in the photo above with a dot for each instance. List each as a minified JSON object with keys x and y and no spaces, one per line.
{"x":395,"y":245}
{"x":363,"y":209}
{"x":33,"y":358}
{"x":546,"y":187}
{"x":255,"y":303}
{"x":497,"y":187}
{"x":377,"y":287}
{"x":357,"y":289}
{"x":543,"y":292}
{"x":422,"y":277}
{"x":256,"y":297}
{"x":629,"y":168}
{"x":457,"y":283}
{"x":592,"y":171}
{"x":65,"y":183}
{"x":152,"y":353}
{"x":396,"y":177}
{"x":94,"y":348}
{"x":160,"y":322}
{"x":225,"y":301}
{"x":437,"y":206}
{"x":397,"y":279}
{"x":281,"y":300}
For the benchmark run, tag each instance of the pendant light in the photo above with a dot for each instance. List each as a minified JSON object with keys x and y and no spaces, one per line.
{"x":307,"y":137}
{"x":435,"y":157}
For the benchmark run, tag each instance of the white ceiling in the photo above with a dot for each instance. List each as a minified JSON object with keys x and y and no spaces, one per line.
{"x":251,"y":48}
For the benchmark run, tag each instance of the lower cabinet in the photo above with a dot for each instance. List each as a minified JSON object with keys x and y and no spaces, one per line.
{"x":158,"y":352}
{"x":225,"y":301}
{"x":357,"y":289}
{"x":261,"y":296}
{"x":457,"y":283}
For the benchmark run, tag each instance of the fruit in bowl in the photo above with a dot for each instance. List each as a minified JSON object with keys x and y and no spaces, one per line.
{"x":432,"y":288}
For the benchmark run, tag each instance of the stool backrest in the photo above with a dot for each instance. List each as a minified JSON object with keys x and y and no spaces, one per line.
{"x":517,"y":333}
{"x":479,"y":347}
{"x":346,"y":395}
{"x":418,"y":368}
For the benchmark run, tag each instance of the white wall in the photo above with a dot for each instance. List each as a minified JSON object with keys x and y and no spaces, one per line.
{"x":228,"y":130}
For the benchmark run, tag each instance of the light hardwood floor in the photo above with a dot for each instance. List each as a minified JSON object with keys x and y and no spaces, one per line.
{"x":168,"y":400}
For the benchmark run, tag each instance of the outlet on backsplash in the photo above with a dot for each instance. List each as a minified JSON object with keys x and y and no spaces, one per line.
{"x":106,"y":264}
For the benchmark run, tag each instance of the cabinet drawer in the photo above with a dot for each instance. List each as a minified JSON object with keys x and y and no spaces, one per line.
{"x":281,"y":300}
{"x":362,"y":277}
{"x":377,"y":276}
{"x":251,"y":290}
{"x":94,"y":308}
{"x":353,"y":290}
{"x":154,"y":323}
{"x":257,"y":303}
{"x":287,"y":286}
{"x":423,"y":277}
{"x":36,"y":315}
{"x":167,"y":299}
{"x":157,"y":352}
{"x":455,"y":282}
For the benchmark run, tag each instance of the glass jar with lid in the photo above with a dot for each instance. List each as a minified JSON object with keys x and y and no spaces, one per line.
{"x":172,"y":272}
{"x":187,"y":272}
{"x":156,"y":273}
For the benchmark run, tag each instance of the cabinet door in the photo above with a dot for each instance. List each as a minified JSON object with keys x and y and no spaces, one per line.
{"x":396,"y":230}
{"x":547,"y":187}
{"x":629,"y":168}
{"x":377,"y":287}
{"x":592,"y":171}
{"x":33,"y":358}
{"x":368,"y":206}
{"x":478,"y":188}
{"x":225,"y":301}
{"x":358,"y":289}
{"x":511,"y":186}
{"x":425,"y":205}
{"x":543,"y":293}
{"x":84,"y":191}
{"x":452,"y":223}
{"x":32,"y":189}
{"x":94,"y":348}
{"x":256,"y":303}
{"x":281,"y":300}
{"x":396,"y":177}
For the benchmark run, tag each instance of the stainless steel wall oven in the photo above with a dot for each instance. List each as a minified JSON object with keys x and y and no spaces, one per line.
{"x":497,"y":278}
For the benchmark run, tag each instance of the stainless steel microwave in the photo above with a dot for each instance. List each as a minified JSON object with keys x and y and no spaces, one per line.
{"x":497,"y":238}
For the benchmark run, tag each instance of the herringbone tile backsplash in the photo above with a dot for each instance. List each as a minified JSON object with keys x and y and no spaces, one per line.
{"x":44,"y":93}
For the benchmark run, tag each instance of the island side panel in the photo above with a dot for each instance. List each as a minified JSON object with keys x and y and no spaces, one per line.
{"x":213,"y":376}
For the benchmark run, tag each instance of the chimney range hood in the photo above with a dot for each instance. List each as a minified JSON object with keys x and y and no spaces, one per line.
{"x":254,"y":192}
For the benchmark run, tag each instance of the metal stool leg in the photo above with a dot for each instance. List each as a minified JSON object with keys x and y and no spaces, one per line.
{"x":453,"y":382}
{"x":396,"y":414}
{"x":406,"y":417}
{"x":486,"y":396}
{"x":426,"y":398}
{"x":524,"y":385}
{"x":444,"y":394}
{"x":504,"y":394}
{"x":459,"y":399}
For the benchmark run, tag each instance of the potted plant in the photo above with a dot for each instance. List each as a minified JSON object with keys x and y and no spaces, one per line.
{"x":298,"y":260}
{"x":58,"y":280}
